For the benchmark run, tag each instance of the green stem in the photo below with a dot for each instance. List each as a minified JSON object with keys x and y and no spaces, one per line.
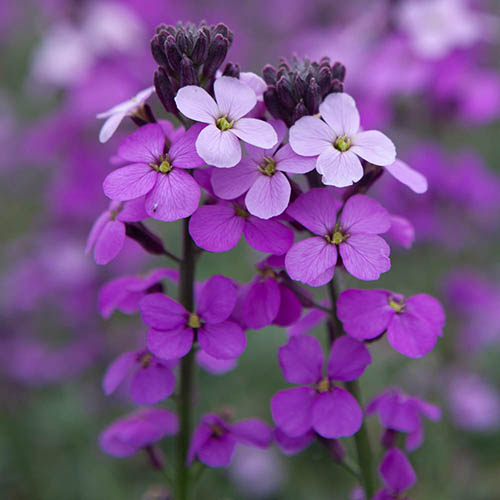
{"x":186,"y":287}
{"x":361,"y":438}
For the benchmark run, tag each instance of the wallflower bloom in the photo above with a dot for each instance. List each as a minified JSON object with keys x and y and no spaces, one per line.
{"x":107,"y":235}
{"x":151,"y":382}
{"x":402,"y":413}
{"x":116,"y":114}
{"x":215,"y":439}
{"x":338,"y":141}
{"x":397,"y":474}
{"x":126,"y":436}
{"x":158,"y":172}
{"x":218,"y":228}
{"x":173,"y":329}
{"x":323,"y":407}
{"x":355,"y":236}
{"x":413,"y":325}
{"x":218,"y":143}
{"x":261,"y":176}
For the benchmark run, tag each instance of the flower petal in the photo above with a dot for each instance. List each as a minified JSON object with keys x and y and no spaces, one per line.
{"x":336,"y":414}
{"x":290,"y":307}
{"x":416,"y":181}
{"x":362,"y":214}
{"x":310,"y":136}
{"x":197,"y":104}
{"x":110,"y":242}
{"x":217,"y":299}
{"x":288,"y":161}
{"x":162,"y":312}
{"x":428,"y":308}
{"x":182,"y":153}
{"x":234,"y":98}
{"x":301,"y":360}
{"x":340,"y":113}
{"x":110,"y":126}
{"x":269,"y":236}
{"x":145,"y":145}
{"x":129,"y":182}
{"x":339,"y":169}
{"x":96,"y":230}
{"x":268,"y":196}
{"x":292,"y":410}
{"x":225,"y":340}
{"x":217,"y":452}
{"x":396,"y":471}
{"x":117,"y":371}
{"x":348,"y":359}
{"x":229,"y":183}
{"x":261,"y":304}
{"x":256,"y":132}
{"x":252,"y":432}
{"x":375,"y":147}
{"x":152,"y":384}
{"x":171,"y":344}
{"x":218,"y":148}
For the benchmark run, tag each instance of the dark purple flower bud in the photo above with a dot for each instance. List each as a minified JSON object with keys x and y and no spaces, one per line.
{"x":188,"y":74}
{"x":216,"y":54}
{"x":299,"y":111}
{"x":182,"y":42}
{"x":312,"y":98}
{"x":223,"y":30}
{"x":272,"y":102}
{"x":337,"y":86}
{"x":142,"y":235}
{"x":324,"y":80}
{"x":300,"y":86}
{"x":200,"y":49}
{"x":165,"y":90}
{"x":338,"y":71}
{"x":158,"y":51}
{"x":389,"y":438}
{"x":174,"y":57}
{"x":285,"y":93}
{"x":269,"y":73}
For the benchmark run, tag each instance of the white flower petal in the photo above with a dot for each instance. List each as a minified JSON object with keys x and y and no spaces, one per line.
{"x":197,"y":104}
{"x":340,"y":113}
{"x":310,"y":136}
{"x":375,"y":147}
{"x":339,"y":169}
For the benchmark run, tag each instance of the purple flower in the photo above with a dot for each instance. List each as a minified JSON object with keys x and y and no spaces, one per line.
{"x":158,"y":171}
{"x":125,"y":293}
{"x":401,"y":413}
{"x":152,"y":380}
{"x":309,"y":321}
{"x":397,"y":474}
{"x":218,"y":143}
{"x":293,"y":445}
{"x":116,"y":114}
{"x":322,"y":406}
{"x":126,"y":436}
{"x":402,"y":172}
{"x":107,"y":235}
{"x":339,"y":143}
{"x":213,"y":365}
{"x":261,"y":176}
{"x":412,"y":325}
{"x":215,"y":440}
{"x":218,"y":228}
{"x":364,"y":254}
{"x":173,"y":328}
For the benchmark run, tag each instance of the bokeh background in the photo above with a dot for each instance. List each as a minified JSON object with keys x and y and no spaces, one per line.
{"x":429,"y":78}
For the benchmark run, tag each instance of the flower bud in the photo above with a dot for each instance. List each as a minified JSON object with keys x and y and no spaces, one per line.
{"x":165,"y":90}
{"x":312,"y":98}
{"x":269,"y":73}
{"x":188,"y":75}
{"x":174,"y":57}
{"x":216,"y":55}
{"x":200,"y":49}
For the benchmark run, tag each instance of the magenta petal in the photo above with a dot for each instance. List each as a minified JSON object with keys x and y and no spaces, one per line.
{"x":316,"y":210}
{"x":301,"y":360}
{"x":183,"y":153}
{"x":431,"y":411}
{"x":110,"y":242}
{"x":96,"y":230}
{"x":129,"y":182}
{"x":292,"y":410}
{"x":268,"y":196}
{"x":411,"y":335}
{"x":261,"y":304}
{"x":213,"y":365}
{"x":396,"y":471}
{"x":216,"y":228}
{"x":217,"y":451}
{"x":292,"y":445}
{"x":290,"y":307}
{"x":162,"y":312}
{"x":152,"y":384}
{"x":428,"y":308}
{"x":176,"y":195}
{"x":133,"y":211}
{"x":309,"y":259}
{"x":365,"y":256}
{"x":348,"y":359}
{"x":398,"y":412}
{"x":336,"y":414}
{"x":253,"y":432}
{"x":145,"y":145}
{"x":268,"y":236}
{"x":224,"y":340}
{"x":415,"y":439}
{"x":402,"y":231}
{"x":217,"y":299}
{"x":364,"y":215}
{"x":229,"y":183}
{"x":364,"y":313}
{"x":172,"y":344}
{"x":200,"y":436}
{"x":117,"y":371}
{"x":309,"y":321}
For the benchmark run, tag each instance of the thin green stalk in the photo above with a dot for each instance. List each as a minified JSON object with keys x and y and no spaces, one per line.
{"x":186,"y":298}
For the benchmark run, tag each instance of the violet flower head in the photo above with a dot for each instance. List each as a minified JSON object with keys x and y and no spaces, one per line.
{"x":151,"y":381}
{"x":402,"y":413}
{"x":215,"y":439}
{"x":219,"y":142}
{"x":262,"y":176}
{"x":116,"y":114}
{"x":321,"y":406}
{"x":158,"y":172}
{"x":354,"y":235}
{"x":107,"y":235}
{"x":126,"y":436}
{"x":337,"y":142}
{"x":173,"y":328}
{"x":413,"y":325}
{"x":397,"y":474}
{"x":218,"y":228}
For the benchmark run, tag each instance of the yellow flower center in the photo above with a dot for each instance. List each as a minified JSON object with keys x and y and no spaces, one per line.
{"x":342,"y":143}
{"x":268,"y":166}
{"x":337,"y":237}
{"x":145,"y":359}
{"x":194,"y":321}
{"x":164,"y":167}
{"x":241,"y":212}
{"x":223,"y":123}
{"x":323,"y":385}
{"x":217,"y":430}
{"x":398,"y":306}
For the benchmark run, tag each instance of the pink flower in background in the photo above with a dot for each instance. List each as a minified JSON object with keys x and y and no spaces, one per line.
{"x":173,"y":329}
{"x":152,"y":379}
{"x":321,"y":406}
{"x":364,"y":254}
{"x":262,"y":176}
{"x":116,"y":114}
{"x":219,"y":143}
{"x":338,"y":143}
{"x":107,"y":235}
{"x":128,"y":435}
{"x":159,"y":171}
{"x":397,"y":473}
{"x":215,"y":439}
{"x":413,"y":325}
